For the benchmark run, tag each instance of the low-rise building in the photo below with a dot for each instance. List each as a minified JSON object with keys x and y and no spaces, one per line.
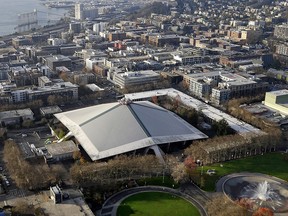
{"x":282,"y":49}
{"x":50,"y":110}
{"x":113,"y":36}
{"x":129,"y":79}
{"x":4,"y":69}
{"x":281,"y":31}
{"x":161,"y":40}
{"x":67,"y":90}
{"x":61,"y":151}
{"x":44,"y":81}
{"x":56,"y":194}
{"x":220,"y":86}
{"x":56,"y":61}
{"x":16,"y":116}
{"x":277,"y":100}
{"x":64,"y":89}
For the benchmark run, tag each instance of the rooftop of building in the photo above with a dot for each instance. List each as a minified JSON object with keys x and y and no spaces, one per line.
{"x":138,"y":74}
{"x":61,"y":148}
{"x":45,"y":79}
{"x":50,"y":110}
{"x":15,"y":113}
{"x":56,"y":58}
{"x":279,"y":92}
{"x":109,"y":129}
{"x":55,"y":86}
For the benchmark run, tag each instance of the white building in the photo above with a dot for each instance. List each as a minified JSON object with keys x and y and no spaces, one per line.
{"x":56,"y":41}
{"x":19,"y":96}
{"x":85,"y":12}
{"x":99,"y":27}
{"x":94,"y":61}
{"x":128,"y":79}
{"x":79,"y":11}
{"x":111,"y":129}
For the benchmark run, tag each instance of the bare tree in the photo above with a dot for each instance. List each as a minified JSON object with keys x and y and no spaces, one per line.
{"x":221,"y":205}
{"x":26,"y":175}
{"x":23,"y":208}
{"x":179,"y":173}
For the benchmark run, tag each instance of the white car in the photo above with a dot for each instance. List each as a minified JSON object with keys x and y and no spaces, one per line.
{"x":211,"y":172}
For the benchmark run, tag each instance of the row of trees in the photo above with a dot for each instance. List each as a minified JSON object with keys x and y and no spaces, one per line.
{"x":33,"y":105}
{"x":26,"y":175}
{"x":123,"y":168}
{"x":118,"y":169}
{"x":235,"y":109}
{"x":230,"y":147}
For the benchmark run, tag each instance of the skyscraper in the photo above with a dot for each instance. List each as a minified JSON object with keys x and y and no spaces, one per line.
{"x":79,"y":11}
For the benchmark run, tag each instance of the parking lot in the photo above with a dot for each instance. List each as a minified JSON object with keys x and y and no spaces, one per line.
{"x":31,"y":139}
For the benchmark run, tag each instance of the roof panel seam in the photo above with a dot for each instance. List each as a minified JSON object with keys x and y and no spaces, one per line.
{"x":97,"y":116}
{"x":139,"y":121}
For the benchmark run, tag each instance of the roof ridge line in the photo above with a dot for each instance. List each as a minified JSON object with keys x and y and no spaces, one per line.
{"x":155,"y":108}
{"x":89,"y":120}
{"x":138,"y":120}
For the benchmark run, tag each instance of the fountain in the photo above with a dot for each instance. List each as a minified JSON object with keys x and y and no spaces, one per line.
{"x":256,"y":190}
{"x":262,"y":195}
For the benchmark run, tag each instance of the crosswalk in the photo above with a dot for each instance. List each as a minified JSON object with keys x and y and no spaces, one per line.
{"x":16,"y":193}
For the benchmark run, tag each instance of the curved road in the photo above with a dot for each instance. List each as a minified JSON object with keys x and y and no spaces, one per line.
{"x":111,"y":204}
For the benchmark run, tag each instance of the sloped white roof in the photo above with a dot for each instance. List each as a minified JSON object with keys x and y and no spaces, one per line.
{"x":211,"y":112}
{"x":110,"y":129}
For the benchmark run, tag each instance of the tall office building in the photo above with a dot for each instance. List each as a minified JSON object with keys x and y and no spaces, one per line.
{"x":79,"y":11}
{"x":85,"y":12}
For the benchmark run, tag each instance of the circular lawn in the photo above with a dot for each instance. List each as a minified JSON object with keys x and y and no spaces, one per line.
{"x":156,"y":203}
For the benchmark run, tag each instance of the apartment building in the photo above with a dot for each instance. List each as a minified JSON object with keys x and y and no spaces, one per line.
{"x":220,"y":86}
{"x":281,"y":31}
{"x":57,"y":61}
{"x":282,"y":49}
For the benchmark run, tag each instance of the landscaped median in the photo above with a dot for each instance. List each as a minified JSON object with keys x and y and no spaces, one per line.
{"x":273,"y":164}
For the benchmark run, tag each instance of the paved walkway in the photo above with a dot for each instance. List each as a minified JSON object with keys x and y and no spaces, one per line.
{"x":188,"y":191}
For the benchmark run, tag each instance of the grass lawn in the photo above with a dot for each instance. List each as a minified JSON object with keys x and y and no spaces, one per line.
{"x":156,"y":203}
{"x":272,"y":164}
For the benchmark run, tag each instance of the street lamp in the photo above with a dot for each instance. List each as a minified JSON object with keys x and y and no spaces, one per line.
{"x":202,"y":170}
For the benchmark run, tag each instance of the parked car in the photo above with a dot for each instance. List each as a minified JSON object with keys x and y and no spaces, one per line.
{"x":211,"y":171}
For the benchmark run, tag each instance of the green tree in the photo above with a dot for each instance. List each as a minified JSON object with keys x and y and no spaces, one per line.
{"x":221,"y":127}
{"x":27,"y":123}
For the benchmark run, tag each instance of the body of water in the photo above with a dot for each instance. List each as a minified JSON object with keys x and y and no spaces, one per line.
{"x":9,"y":10}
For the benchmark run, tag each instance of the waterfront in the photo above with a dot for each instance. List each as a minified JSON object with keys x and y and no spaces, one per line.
{"x":9,"y":11}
